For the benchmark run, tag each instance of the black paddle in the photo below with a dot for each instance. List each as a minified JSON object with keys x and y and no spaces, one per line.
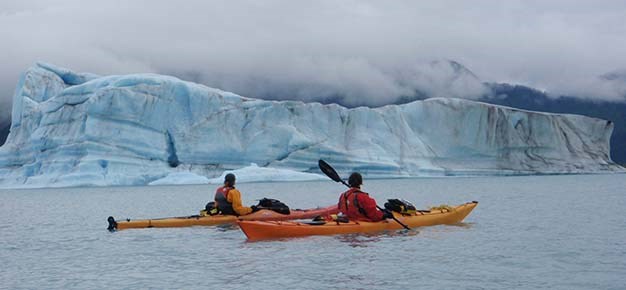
{"x":332,"y":174}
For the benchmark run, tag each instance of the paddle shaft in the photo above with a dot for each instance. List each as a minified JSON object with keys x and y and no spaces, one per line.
{"x":332,"y":174}
{"x":395,"y":219}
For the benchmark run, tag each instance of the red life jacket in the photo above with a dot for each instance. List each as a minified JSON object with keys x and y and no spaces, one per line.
{"x":349,"y":205}
{"x":221,"y":201}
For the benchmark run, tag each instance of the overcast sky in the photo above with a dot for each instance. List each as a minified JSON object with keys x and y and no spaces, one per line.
{"x":367,"y":50}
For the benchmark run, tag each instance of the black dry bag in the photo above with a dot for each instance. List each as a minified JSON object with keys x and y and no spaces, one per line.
{"x":400,"y":205}
{"x":273,"y":204}
{"x":211,"y":209}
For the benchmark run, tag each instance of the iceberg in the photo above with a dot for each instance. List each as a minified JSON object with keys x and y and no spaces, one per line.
{"x":80,"y":129}
{"x":177,"y":178}
{"x":254,"y":173}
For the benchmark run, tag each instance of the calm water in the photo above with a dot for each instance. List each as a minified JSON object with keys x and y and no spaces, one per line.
{"x":545,"y":232}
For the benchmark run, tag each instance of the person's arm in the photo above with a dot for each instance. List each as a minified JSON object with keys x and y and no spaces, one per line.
{"x":235,"y":199}
{"x":369,"y":205}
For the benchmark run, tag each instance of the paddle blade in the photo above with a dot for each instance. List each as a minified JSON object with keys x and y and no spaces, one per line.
{"x":329,"y":171}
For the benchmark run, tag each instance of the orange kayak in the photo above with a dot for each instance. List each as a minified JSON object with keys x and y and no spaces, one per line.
{"x":197,"y":220}
{"x":261,"y":230}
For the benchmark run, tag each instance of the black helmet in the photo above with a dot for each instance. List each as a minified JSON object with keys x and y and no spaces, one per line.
{"x":229,"y":179}
{"x":355,"y":180}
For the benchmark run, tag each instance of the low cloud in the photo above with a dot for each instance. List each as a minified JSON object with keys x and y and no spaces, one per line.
{"x":367,"y":53}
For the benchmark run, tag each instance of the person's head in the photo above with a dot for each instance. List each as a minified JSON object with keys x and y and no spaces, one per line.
{"x":229,"y":180}
{"x":355,"y":180}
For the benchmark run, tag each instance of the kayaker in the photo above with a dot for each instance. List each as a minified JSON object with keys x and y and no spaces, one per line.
{"x":357,"y":204}
{"x":228,"y":198}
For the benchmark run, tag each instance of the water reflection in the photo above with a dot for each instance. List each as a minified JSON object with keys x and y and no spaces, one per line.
{"x":362,"y":240}
{"x":354,"y":240}
{"x":359,"y":240}
{"x":226,"y":227}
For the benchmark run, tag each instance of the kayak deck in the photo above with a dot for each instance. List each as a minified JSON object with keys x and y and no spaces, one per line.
{"x":261,"y":230}
{"x":197,"y":220}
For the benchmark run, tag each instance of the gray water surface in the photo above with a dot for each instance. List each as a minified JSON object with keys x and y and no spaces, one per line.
{"x":533,"y":232}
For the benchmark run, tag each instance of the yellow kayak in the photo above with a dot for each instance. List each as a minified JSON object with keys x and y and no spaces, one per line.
{"x":211,"y":220}
{"x":261,"y":230}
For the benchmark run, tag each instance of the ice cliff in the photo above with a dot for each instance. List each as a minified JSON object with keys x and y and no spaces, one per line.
{"x":72,"y":129}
